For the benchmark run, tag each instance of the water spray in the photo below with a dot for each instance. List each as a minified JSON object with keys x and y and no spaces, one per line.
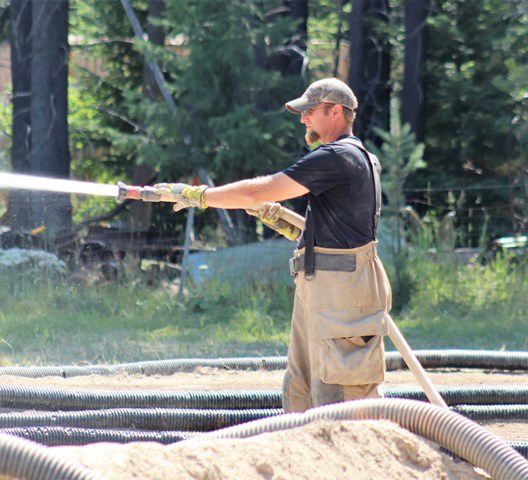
{"x":120,"y":191}
{"x":30,"y":182}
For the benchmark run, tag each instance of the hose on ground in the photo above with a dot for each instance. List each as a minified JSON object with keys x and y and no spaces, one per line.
{"x":169,"y":419}
{"x":63,"y":436}
{"x":68,"y":436}
{"x":481,"y":359}
{"x":39,"y":398}
{"x":137,"y":418}
{"x":521,"y":447}
{"x":159,"y":367}
{"x":457,"y":434}
{"x":493,"y":412}
{"x":474,"y":395}
{"x":25,"y":460}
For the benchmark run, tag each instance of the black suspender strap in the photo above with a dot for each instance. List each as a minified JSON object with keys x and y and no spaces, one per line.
{"x":309,"y":245}
{"x":375,"y":168}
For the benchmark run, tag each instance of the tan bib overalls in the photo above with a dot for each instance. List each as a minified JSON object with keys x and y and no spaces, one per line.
{"x":341,"y":302}
{"x":336,"y":348}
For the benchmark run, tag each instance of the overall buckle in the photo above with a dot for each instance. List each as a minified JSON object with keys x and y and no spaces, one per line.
{"x":294,"y":266}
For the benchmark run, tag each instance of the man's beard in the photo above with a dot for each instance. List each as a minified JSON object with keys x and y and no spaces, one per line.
{"x":311,"y":137}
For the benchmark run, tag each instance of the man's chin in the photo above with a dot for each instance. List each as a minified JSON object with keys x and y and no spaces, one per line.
{"x":311,"y":137}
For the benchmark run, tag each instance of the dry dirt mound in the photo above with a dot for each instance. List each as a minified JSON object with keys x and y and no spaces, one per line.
{"x":322,"y":450}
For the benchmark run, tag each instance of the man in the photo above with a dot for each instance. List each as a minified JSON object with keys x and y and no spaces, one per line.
{"x":342,"y":294}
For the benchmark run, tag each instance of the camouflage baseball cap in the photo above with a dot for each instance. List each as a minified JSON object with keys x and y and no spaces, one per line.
{"x":327,"y":90}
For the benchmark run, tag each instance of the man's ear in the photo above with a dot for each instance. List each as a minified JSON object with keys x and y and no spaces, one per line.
{"x":337,"y":110}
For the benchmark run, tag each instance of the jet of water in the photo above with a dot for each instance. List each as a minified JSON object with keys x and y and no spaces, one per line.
{"x":30,"y":182}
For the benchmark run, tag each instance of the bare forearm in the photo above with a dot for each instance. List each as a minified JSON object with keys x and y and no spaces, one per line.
{"x":242,"y":194}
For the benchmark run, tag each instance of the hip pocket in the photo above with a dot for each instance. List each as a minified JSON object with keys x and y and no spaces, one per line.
{"x":351,"y":348}
{"x":352,"y":360}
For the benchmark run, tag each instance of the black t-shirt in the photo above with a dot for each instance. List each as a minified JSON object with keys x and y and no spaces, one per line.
{"x":341,"y":198}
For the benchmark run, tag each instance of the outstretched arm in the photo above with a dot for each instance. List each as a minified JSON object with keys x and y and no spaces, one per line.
{"x":250,"y":193}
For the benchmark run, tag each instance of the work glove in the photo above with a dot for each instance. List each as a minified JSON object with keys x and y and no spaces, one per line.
{"x":182,"y":194}
{"x":269,"y":214}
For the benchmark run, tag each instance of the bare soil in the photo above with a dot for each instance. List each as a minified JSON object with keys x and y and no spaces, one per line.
{"x":324,"y":450}
{"x":363,"y":450}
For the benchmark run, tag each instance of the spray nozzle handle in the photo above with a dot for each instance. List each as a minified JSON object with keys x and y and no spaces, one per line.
{"x":133,"y":192}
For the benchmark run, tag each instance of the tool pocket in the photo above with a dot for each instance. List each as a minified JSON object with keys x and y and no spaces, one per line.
{"x":351,"y":346}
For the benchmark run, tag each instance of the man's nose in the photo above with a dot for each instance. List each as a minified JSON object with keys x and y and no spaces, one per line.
{"x":303,"y":119}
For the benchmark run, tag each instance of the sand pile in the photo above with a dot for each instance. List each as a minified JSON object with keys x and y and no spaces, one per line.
{"x":319,"y":451}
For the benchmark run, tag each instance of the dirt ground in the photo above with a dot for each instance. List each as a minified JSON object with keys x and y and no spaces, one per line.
{"x":364,"y":450}
{"x":324,"y":450}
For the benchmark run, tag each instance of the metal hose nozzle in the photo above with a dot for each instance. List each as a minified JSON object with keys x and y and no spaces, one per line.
{"x":133,"y":192}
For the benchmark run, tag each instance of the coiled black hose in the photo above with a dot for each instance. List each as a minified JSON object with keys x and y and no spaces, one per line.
{"x":38,"y":398}
{"x":62,"y":436}
{"x":28,"y":461}
{"x":159,"y":367}
{"x":482,"y":359}
{"x":202,"y":420}
{"x":521,"y":447}
{"x":137,"y":418}
{"x":493,"y":412}
{"x":168,"y":419}
{"x":477,"y":395}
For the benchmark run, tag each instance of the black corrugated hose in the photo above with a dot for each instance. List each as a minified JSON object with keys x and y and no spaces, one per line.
{"x":168,"y":419}
{"x":62,"y":436}
{"x":138,"y":418}
{"x":39,"y":398}
{"x":482,"y":359}
{"x":474,"y":395}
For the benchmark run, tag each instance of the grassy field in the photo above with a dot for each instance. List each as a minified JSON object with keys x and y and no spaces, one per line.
{"x":446,"y":305}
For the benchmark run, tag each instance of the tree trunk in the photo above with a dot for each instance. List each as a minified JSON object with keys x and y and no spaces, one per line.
{"x":370,"y":65}
{"x":299,"y":11}
{"x":413,"y":104}
{"x":140,"y":213}
{"x":19,"y":215}
{"x":356,"y":75}
{"x":50,"y":155}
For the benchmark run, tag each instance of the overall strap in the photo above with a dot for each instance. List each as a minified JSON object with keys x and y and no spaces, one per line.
{"x":309,"y":245}
{"x":375,"y":168}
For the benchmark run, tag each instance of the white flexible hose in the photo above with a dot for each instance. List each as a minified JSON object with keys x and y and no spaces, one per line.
{"x":450,"y":430}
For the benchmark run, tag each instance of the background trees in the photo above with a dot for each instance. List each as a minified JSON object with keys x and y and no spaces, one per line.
{"x":457,"y":68}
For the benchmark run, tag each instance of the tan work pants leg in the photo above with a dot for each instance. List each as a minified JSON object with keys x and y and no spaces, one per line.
{"x":297,"y":380}
{"x":328,"y":358}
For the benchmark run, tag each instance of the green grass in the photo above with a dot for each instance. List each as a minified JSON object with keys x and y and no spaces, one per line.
{"x":52,"y":322}
{"x":47,"y":323}
{"x":467,"y":306}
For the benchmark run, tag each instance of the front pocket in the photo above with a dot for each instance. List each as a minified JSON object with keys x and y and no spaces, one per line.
{"x":352,"y":361}
{"x":351,"y":322}
{"x":345,"y":358}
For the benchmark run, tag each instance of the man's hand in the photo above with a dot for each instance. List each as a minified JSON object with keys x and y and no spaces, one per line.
{"x":269,"y":214}
{"x":182,"y":194}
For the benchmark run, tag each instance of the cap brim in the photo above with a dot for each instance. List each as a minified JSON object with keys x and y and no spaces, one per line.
{"x":300,"y":105}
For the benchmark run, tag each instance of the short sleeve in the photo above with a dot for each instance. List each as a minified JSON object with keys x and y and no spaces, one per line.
{"x":319,"y":170}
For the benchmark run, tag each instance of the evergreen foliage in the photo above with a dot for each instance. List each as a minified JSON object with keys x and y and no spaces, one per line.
{"x":230,"y":118}
{"x":473,"y":48}
{"x":400,"y":156}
